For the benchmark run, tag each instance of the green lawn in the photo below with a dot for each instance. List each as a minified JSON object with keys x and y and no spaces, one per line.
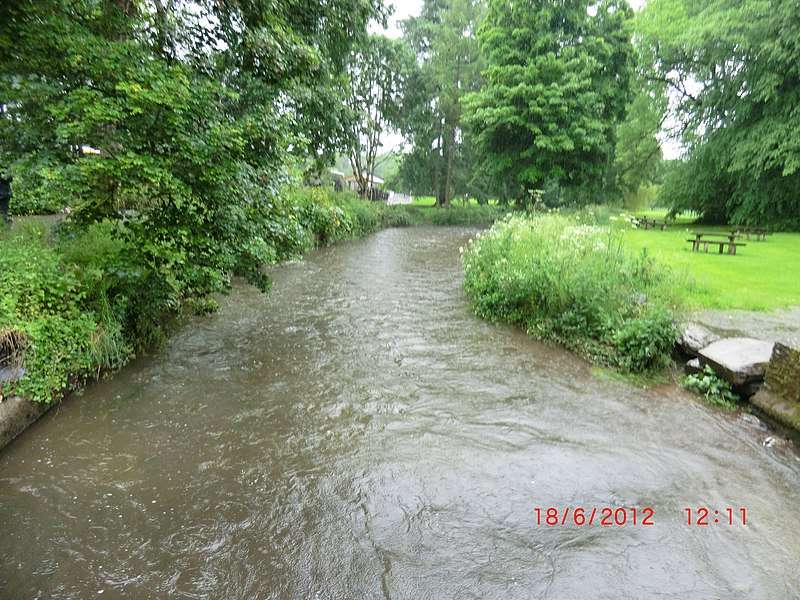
{"x":761,"y":276}
{"x":431,"y":201}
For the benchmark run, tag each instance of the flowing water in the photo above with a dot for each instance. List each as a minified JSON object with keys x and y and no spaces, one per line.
{"x":358,"y":434}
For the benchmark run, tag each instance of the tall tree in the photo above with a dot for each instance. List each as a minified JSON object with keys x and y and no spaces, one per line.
{"x":638,"y":152}
{"x":559,"y":79}
{"x":444,"y":39}
{"x":379,"y":71}
{"x":733,"y":69}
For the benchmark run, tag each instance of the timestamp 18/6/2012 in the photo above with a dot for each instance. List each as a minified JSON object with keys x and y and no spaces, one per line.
{"x":708,"y":516}
{"x":607,"y":516}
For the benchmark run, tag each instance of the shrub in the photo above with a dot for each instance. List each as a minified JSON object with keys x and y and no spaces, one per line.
{"x":44,"y":302}
{"x":575,"y":283}
{"x":645,"y":341}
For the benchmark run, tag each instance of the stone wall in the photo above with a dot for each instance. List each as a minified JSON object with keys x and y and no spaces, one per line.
{"x":780,"y":397}
{"x":783,"y":373}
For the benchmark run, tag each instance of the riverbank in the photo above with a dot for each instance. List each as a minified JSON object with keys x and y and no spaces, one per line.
{"x":579,"y":280}
{"x":778,"y":396}
{"x":74,"y":310}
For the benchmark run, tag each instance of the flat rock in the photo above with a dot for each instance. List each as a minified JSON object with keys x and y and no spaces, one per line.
{"x":738,"y":360}
{"x":776,"y":407}
{"x":696,"y":337}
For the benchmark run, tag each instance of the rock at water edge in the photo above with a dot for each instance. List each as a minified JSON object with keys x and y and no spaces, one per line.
{"x":696,"y":337}
{"x":738,"y":360}
{"x":780,"y":397}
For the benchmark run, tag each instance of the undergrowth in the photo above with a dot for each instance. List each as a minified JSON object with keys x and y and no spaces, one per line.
{"x":577,"y":284}
{"x":714,"y":390}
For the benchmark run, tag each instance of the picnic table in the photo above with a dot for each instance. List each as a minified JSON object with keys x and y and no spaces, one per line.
{"x":644,"y":223}
{"x":704,"y":239}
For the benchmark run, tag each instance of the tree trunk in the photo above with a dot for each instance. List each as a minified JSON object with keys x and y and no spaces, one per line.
{"x":437,"y":172}
{"x":449,"y":151}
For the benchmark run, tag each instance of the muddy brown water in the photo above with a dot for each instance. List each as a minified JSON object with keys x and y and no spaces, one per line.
{"x":358,"y":434}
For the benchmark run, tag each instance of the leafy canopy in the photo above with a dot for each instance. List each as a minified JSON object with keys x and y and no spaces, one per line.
{"x":733,"y":69}
{"x":558,"y":81}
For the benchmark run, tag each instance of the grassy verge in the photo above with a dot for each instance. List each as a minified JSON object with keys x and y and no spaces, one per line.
{"x":430,"y":201}
{"x":762,"y":276}
{"x":73,"y":305}
{"x":578,"y":284}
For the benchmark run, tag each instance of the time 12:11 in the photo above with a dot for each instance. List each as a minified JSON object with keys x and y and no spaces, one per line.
{"x":707,"y":516}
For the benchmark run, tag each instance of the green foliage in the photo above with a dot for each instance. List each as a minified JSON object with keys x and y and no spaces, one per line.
{"x":713,"y":389}
{"x":559,"y":80}
{"x":645,"y":341}
{"x":379,"y":72}
{"x":738,"y":116}
{"x":638,"y":152}
{"x":43,"y":299}
{"x":175,"y":126}
{"x":574,"y":283}
{"x":444,"y":39}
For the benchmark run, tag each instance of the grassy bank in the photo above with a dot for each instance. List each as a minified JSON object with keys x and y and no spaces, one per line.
{"x":568,"y":280}
{"x":762,"y":276}
{"x":75,"y":304}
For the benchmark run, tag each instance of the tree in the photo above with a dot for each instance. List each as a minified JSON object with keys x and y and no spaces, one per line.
{"x":733,"y":71}
{"x":188,"y":113}
{"x":638,"y":151}
{"x":378,"y":70}
{"x":559,"y":79}
{"x":444,"y":40}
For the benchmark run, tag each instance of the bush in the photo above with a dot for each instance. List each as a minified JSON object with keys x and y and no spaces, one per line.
{"x":43,"y":301}
{"x":576,"y":284}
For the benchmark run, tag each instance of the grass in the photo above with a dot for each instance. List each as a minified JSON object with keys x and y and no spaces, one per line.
{"x":423,"y":201}
{"x":762,"y":276}
{"x":430,"y":201}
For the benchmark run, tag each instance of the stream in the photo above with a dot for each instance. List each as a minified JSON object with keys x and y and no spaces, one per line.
{"x":358,"y":434}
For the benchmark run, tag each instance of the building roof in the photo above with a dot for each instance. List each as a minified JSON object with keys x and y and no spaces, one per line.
{"x":374,"y":179}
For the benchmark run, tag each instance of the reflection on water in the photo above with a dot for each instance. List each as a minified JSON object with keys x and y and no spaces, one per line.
{"x":357,"y":434}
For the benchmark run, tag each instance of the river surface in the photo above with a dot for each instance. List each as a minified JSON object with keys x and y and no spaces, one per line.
{"x":357,"y":434}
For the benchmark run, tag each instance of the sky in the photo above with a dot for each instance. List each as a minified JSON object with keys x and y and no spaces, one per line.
{"x":402,"y":10}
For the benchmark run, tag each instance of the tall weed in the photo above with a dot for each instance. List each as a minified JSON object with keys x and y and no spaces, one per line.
{"x":566,"y":280}
{"x":43,"y":301}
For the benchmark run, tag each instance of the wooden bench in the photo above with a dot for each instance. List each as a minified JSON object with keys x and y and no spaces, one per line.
{"x":703,"y":239}
{"x":652,"y":224}
{"x":759,"y":232}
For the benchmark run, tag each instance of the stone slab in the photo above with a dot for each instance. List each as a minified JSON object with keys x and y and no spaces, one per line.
{"x":738,"y":360}
{"x":17,"y":414}
{"x":779,"y":409}
{"x":779,"y":325}
{"x":695,"y":337}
